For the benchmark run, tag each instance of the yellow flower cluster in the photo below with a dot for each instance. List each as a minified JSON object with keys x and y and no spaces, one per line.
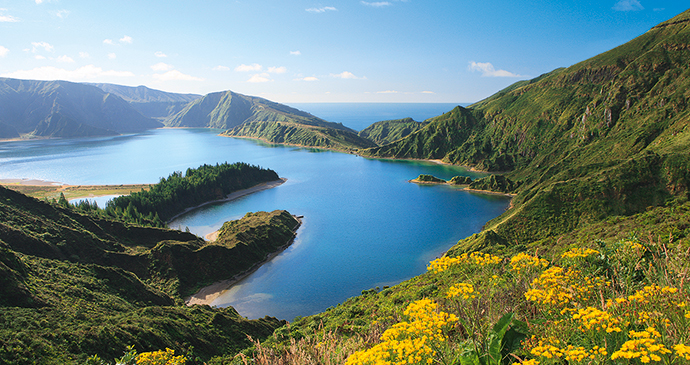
{"x":682,"y":351}
{"x":474,"y":258}
{"x":523,"y":262}
{"x":442,"y":264}
{"x":579,"y":354}
{"x":651,"y":293}
{"x":160,"y":357}
{"x":579,"y":252}
{"x":409,"y":342}
{"x":547,"y":348}
{"x":550,"y":349}
{"x":593,"y":318}
{"x":462,"y":289}
{"x":632,"y":245}
{"x":643,"y":346}
{"x":557,"y":287}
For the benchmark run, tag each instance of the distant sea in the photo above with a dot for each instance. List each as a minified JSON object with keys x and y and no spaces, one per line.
{"x":361,"y":115}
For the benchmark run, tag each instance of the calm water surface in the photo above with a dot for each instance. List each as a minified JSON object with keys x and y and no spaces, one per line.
{"x":364,"y":224}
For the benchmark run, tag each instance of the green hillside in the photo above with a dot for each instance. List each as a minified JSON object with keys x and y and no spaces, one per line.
{"x":607,"y":136}
{"x":226,"y":110}
{"x":301,"y":135}
{"x":388,"y":131}
{"x":73,"y":285}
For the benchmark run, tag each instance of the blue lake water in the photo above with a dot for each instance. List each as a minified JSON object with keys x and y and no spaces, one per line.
{"x":364,"y":224}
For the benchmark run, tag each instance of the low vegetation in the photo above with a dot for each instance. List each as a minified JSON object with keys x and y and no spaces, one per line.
{"x":74,"y":285}
{"x":389,"y":131}
{"x":617,"y":300}
{"x":301,"y":135}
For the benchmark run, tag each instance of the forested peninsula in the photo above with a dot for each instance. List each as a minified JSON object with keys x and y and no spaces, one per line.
{"x":178,"y":192}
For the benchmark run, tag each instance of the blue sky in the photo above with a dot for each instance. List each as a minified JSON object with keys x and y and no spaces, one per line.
{"x":316,"y":50}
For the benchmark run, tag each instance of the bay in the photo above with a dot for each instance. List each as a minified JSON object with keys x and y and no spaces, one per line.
{"x":364,"y":224}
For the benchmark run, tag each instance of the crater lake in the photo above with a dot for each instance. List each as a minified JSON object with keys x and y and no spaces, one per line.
{"x":364,"y":224}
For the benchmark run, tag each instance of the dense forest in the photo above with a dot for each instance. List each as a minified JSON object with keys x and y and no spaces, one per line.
{"x":178,"y":192}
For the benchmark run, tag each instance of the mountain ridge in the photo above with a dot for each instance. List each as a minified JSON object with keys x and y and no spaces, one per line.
{"x":65,"y":109}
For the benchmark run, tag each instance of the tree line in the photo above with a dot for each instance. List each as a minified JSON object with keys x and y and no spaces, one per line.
{"x":178,"y":192}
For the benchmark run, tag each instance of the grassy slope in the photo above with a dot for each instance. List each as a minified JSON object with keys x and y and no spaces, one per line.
{"x":389,"y":131}
{"x":599,"y":153}
{"x":300,"y":135}
{"x":608,"y":136}
{"x":74,"y":285}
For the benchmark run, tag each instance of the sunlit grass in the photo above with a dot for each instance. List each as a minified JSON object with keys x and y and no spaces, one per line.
{"x":615,"y":302}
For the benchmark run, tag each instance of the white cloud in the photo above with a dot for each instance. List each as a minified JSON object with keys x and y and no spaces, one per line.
{"x":108,"y":41}
{"x":126,"y":39}
{"x":84,"y":73}
{"x":277,"y":70}
{"x":295,"y":53}
{"x":387,"y":92}
{"x":39,"y":1}
{"x":43,"y":45}
{"x":4,"y":51}
{"x":321,"y":9}
{"x":308,"y":78}
{"x":39,"y":57}
{"x":160,"y":54}
{"x":62,"y":13}
{"x":175,"y":75}
{"x":348,"y":75}
{"x":221,"y":68}
{"x":487,"y":69}
{"x":378,"y":4}
{"x":7,"y":18}
{"x":428,"y":92}
{"x":84,"y":55}
{"x":65,"y":58}
{"x":160,"y":66}
{"x":628,"y":5}
{"x":112,"y":56}
{"x":262,"y":77}
{"x":248,"y":68}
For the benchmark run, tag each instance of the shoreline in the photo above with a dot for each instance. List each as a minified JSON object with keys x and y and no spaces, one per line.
{"x":208,"y":294}
{"x":233,"y":196}
{"x":464,"y":187}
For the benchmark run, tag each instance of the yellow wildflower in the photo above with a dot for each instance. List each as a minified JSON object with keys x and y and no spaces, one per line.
{"x":522,"y":262}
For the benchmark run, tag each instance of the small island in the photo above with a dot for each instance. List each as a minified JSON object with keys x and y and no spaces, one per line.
{"x":492,"y":184}
{"x":430,"y":179}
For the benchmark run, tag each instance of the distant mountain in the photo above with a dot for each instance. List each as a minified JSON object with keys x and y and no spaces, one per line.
{"x":65,"y":109}
{"x":143,"y":94}
{"x":227,"y":109}
{"x":607,"y":136}
{"x":388,"y":131}
{"x":249,"y":116}
{"x":150,"y":102}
